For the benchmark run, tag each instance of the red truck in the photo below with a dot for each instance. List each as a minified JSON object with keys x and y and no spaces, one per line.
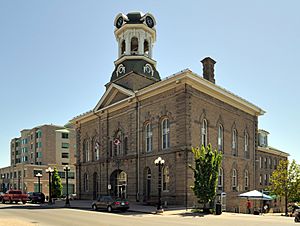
{"x":14,"y":196}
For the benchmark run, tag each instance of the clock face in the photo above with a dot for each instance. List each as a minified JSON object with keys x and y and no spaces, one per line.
{"x":119,"y":22}
{"x":149,"y":21}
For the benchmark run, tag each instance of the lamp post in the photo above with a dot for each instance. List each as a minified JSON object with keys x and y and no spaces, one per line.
{"x":159,"y":162}
{"x":39,"y":175}
{"x":3,"y":185}
{"x":50,"y":171}
{"x":67,"y":169}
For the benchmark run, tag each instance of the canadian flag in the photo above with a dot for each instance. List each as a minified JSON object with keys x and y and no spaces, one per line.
{"x":117,"y":141}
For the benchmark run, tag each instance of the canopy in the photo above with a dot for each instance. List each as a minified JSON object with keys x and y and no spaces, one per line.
{"x":255,"y":195}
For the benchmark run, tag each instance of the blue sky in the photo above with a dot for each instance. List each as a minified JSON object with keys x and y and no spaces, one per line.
{"x":56,"y":56}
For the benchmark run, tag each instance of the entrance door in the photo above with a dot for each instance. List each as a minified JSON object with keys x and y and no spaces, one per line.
{"x":148,"y":184}
{"x":95,"y":186}
{"x":118,"y":181}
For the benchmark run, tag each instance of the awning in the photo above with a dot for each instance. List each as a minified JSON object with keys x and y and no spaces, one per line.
{"x":255,"y":195}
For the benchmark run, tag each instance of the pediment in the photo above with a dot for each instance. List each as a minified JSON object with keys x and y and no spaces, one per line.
{"x":113,"y":94}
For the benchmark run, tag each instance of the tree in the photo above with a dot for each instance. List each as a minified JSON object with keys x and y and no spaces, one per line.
{"x":56,"y":184}
{"x":285,"y":181}
{"x":206,"y":171}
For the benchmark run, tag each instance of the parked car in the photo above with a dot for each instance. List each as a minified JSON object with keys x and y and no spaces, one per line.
{"x":297,"y":215}
{"x":71,"y":197}
{"x":1,"y":196}
{"x":36,"y":197}
{"x":14,"y":196}
{"x":110,"y":203}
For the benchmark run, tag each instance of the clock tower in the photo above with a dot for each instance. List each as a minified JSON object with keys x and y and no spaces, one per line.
{"x":136,"y":35}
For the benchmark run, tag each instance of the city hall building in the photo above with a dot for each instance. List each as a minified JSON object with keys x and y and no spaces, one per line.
{"x":141,"y":117}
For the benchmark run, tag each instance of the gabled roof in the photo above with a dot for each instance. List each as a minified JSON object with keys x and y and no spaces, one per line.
{"x":110,"y":96}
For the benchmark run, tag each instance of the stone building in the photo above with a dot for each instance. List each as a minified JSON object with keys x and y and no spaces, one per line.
{"x":141,"y":116}
{"x":267,"y":160}
{"x":37,"y":149}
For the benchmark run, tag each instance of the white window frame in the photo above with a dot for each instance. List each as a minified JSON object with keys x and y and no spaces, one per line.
{"x":165,"y":178}
{"x":246,"y":179}
{"x":148,"y":137}
{"x":220,"y":137}
{"x":234,"y":178}
{"x":234,"y":142}
{"x":260,"y":162}
{"x":220,"y":178}
{"x":204,"y":133}
{"x":246,"y":145}
{"x":97,"y":150}
{"x":165,"y":129}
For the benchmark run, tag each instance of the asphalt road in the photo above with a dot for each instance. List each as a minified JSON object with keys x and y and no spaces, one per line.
{"x":20,"y":215}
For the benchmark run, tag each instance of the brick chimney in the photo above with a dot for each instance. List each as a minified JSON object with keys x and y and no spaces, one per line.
{"x":208,"y":69}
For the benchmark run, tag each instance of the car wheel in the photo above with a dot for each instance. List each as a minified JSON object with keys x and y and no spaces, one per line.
{"x":3,"y":201}
{"x":94,"y":207}
{"x":109,"y":209}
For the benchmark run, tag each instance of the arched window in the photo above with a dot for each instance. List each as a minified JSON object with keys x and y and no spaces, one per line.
{"x":260,"y":179}
{"x":246,"y":180}
{"x":220,"y":179}
{"x":260,"y":162}
{"x":204,"y":133}
{"x":96,"y":150}
{"x":86,"y":151}
{"x":246,"y":145}
{"x":165,"y":133}
{"x":134,"y":45}
{"x":85,"y":183}
{"x":165,"y":179}
{"x":234,"y":142}
{"x":123,"y":47}
{"x":220,"y":138}
{"x":118,"y":144}
{"x":234,"y":180}
{"x":146,"y":47}
{"x":125,"y":145}
{"x":148,"y":137}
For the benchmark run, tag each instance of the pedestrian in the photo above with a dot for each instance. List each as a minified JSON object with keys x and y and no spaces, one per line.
{"x":248,"y":206}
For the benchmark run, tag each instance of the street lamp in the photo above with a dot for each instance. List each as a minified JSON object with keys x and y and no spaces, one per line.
{"x":67,"y":169}
{"x":159,"y":162}
{"x":3,"y":185}
{"x":39,"y":175}
{"x":50,"y":171}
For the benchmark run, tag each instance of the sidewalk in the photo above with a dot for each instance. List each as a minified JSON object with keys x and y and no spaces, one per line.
{"x":134,"y":207}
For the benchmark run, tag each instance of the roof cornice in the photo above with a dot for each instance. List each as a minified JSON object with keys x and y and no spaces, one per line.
{"x":271,"y":150}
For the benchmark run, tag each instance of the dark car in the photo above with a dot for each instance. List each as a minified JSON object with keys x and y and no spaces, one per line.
{"x":110,"y":203}
{"x":36,"y":197}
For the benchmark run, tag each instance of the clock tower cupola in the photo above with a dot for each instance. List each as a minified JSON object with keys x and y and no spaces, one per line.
{"x":136,"y":35}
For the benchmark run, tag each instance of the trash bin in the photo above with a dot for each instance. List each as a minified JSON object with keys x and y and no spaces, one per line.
{"x":218,"y":208}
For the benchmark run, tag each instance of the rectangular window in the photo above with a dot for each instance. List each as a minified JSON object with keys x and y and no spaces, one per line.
{"x":65,"y":145}
{"x":65,"y":135}
{"x":260,"y":179}
{"x":38,"y":134}
{"x":62,"y":174}
{"x":260,"y":162}
{"x":36,"y":187}
{"x":39,"y":144}
{"x":71,"y":175}
{"x":65,"y":155}
{"x":39,"y":154}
